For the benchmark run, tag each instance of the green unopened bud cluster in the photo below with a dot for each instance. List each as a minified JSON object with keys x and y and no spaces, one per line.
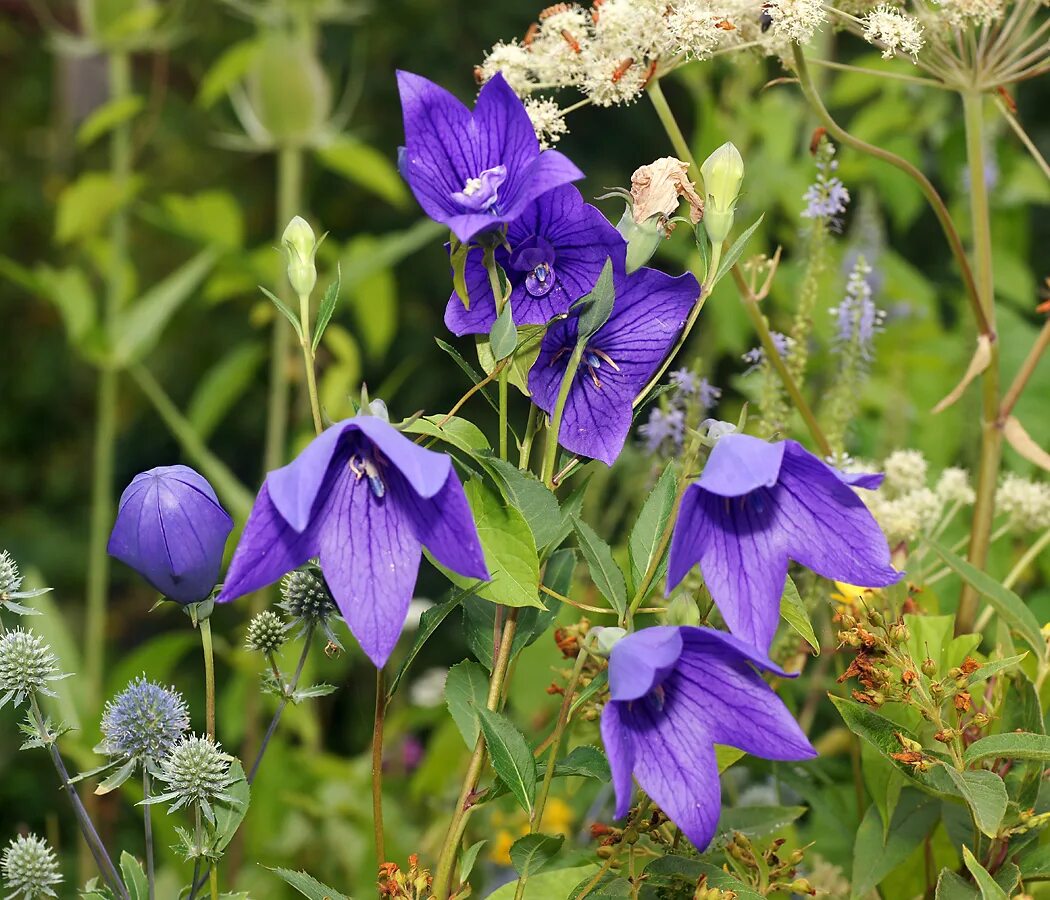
{"x":30,"y":869}
{"x":26,"y":666}
{"x":266,"y":633}
{"x":197,"y":773}
{"x":305,"y":597}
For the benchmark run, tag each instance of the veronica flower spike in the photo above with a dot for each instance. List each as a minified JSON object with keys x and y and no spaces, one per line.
{"x":559,"y":245}
{"x":474,"y":172}
{"x":649,"y":310}
{"x":675,"y":692}
{"x":758,"y":505}
{"x":365,"y":500}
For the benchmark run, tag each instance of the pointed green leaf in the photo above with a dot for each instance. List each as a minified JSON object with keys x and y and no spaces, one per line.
{"x":230,"y":814}
{"x":990,"y":669}
{"x":605,"y":574}
{"x":985,"y":794}
{"x":793,"y":611}
{"x":650,"y":526}
{"x":875,"y":857}
{"x":503,"y":338}
{"x":107,"y":117}
{"x":308,"y":886}
{"x":285,"y":311}
{"x":985,"y":883}
{"x":458,"y":258}
{"x":1009,"y":746}
{"x":597,"y":306}
{"x":532,"y":853}
{"x":327,"y":307}
{"x":134,"y":877}
{"x":511,"y":756}
{"x":532,"y":498}
{"x":734,"y":252}
{"x":466,"y":691}
{"x":117,"y":778}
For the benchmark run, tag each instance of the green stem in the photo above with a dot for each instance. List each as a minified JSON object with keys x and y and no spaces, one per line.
{"x":213,"y":882}
{"x":308,"y":361}
{"x":377,"y":767}
{"x":984,"y":325}
{"x":991,"y":435}
{"x":532,"y":426}
{"x":147,"y":827}
{"x":87,"y":827}
{"x":209,"y":676}
{"x":1017,"y":386}
{"x":705,"y":292}
{"x":758,"y":320}
{"x":1030,"y":555}
{"x":504,"y":373}
{"x":670,"y":123}
{"x":447,"y":857}
{"x":550,"y":453}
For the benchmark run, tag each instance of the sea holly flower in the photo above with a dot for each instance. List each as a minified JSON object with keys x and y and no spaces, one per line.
{"x":756,"y":507}
{"x":675,"y":692}
{"x":172,"y":530}
{"x":649,"y":311}
{"x":559,"y":245}
{"x":474,"y":171}
{"x":365,"y":500}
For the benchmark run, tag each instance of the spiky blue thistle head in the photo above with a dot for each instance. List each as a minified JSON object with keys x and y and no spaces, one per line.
{"x":27,"y":665}
{"x":30,"y":869}
{"x":144,"y":721}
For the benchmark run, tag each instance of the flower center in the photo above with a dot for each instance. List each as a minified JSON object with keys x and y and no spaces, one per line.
{"x":535,"y":257}
{"x":480,"y":194}
{"x":364,"y":466}
{"x":593,"y":359}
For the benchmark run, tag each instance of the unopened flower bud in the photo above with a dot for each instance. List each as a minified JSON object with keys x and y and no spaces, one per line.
{"x":266,"y":633}
{"x":847,"y":621}
{"x":981,"y":720}
{"x":603,"y":639}
{"x":945,"y":735}
{"x":27,"y":665}
{"x":10,"y":578}
{"x":723,"y":173}
{"x":929,"y":667}
{"x":642,"y":237}
{"x":289,"y":90}
{"x":196,"y":771}
{"x":899,"y":633}
{"x":682,"y":611}
{"x":30,"y":869}
{"x":301,"y":246}
{"x":875,"y":617}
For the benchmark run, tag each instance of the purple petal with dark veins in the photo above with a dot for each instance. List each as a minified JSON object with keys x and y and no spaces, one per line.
{"x":740,"y":463}
{"x":641,"y":661}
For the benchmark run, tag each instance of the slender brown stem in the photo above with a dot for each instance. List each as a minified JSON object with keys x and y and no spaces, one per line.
{"x":1022,"y":135}
{"x":1020,"y":381}
{"x":377,"y":767}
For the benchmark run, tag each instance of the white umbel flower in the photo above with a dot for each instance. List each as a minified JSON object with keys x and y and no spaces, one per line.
{"x":894,"y":31}
{"x":1026,"y":502}
{"x":905,"y":471}
{"x":513,"y":61}
{"x":547,"y":120}
{"x":954,"y":486}
{"x":795,"y":20}
{"x":697,"y":28}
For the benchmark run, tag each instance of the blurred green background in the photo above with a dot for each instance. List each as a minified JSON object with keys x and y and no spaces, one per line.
{"x":200,"y":187}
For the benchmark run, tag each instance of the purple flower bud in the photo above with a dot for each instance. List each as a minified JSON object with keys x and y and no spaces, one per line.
{"x":172,"y":530}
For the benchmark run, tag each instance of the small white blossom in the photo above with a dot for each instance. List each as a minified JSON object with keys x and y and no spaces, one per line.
{"x":514,"y":62}
{"x":966,"y":13}
{"x":1026,"y":502}
{"x":894,"y":31}
{"x":428,"y":690}
{"x":954,"y":486}
{"x":905,"y":471}
{"x":559,"y":43}
{"x":795,"y":20}
{"x":610,"y":80}
{"x":547,"y":120}
{"x":698,"y":29}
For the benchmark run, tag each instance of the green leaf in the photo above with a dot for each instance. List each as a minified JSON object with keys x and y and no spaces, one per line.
{"x":479,"y":619}
{"x":1009,"y":746}
{"x":456,"y":432}
{"x":86,"y":205}
{"x":605,"y":574}
{"x":428,"y":624}
{"x":327,"y":307}
{"x":511,"y":755}
{"x":757,"y":821}
{"x":1035,"y":863}
{"x":458,"y":258}
{"x":985,"y":883}
{"x":873,"y":857}
{"x":139,"y":327}
{"x":226,"y":71}
{"x":222,"y":386}
{"x":532,"y":853}
{"x":1006,"y":603}
{"x":510,"y":550}
{"x":466,"y":691}
{"x":985,"y":794}
{"x":587,"y":762}
{"x":228,"y":816}
{"x":503,"y":338}
{"x":309,"y":886}
{"x":365,"y":166}
{"x":650,"y":526}
{"x":117,"y":778}
{"x":532,"y":498}
{"x":210,"y":217}
{"x":994,"y":667}
{"x":134,"y":877}
{"x":554,"y":883}
{"x":952,"y":886}
{"x":470,"y":856}
{"x":793,"y":611}
{"x":107,"y":117}
{"x":285,"y":311}
{"x":597,"y":305}
{"x":470,"y":371}
{"x":735,"y":251}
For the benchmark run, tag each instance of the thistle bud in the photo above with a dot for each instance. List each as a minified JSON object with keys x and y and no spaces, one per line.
{"x":723,"y":173}
{"x":196,"y":772}
{"x":10,"y":578}
{"x":26,"y":666}
{"x":301,"y":246}
{"x":30,"y":868}
{"x":306,"y":598}
{"x":266,"y":633}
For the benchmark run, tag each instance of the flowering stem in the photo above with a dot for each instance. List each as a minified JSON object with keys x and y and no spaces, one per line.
{"x":147,"y":827}
{"x":758,"y":320}
{"x":550,"y":450}
{"x":667,"y":119}
{"x":878,"y":73}
{"x":447,"y":856}
{"x":87,"y":828}
{"x":991,"y":435}
{"x":929,"y":191}
{"x":377,"y":766}
{"x":287,"y":692}
{"x":209,"y":676}
{"x":306,"y":343}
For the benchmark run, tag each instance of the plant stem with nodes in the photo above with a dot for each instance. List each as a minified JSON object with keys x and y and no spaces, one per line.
{"x":147,"y":828}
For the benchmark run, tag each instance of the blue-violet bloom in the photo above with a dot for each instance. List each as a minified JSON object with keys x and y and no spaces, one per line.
{"x":474,"y":172}
{"x":172,"y":530}
{"x":649,"y":311}
{"x":675,"y":692}
{"x":365,"y":500}
{"x":559,"y":245}
{"x":758,"y":505}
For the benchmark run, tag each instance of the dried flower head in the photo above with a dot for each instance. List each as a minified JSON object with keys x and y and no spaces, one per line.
{"x":30,"y":868}
{"x":27,"y":664}
{"x":266,"y":632}
{"x":197,"y":773}
{"x":659,"y":187}
{"x":144,"y":721}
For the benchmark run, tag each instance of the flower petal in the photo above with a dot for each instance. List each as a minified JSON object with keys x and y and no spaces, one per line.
{"x":869,"y":480}
{"x":294,"y":488}
{"x":640,"y":661}
{"x":739,"y":546}
{"x":445,"y":525}
{"x":269,"y":548}
{"x":826,"y":527}
{"x":504,"y":131}
{"x":195,"y":530}
{"x":619,"y":748}
{"x":740,"y":463}
{"x":370,"y":559}
{"x":425,"y":470}
{"x":547,"y":171}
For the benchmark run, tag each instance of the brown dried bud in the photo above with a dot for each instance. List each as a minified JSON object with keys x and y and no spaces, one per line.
{"x":658,"y":188}
{"x":970,"y":665}
{"x":908,"y":756}
{"x":946,"y":735}
{"x":963,"y":701}
{"x":874,"y":699}
{"x":909,"y":676}
{"x":937,"y":689}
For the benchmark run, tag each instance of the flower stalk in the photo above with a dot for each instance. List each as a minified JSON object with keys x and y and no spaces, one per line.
{"x":147,"y":828}
{"x":550,"y":452}
{"x":209,"y":676}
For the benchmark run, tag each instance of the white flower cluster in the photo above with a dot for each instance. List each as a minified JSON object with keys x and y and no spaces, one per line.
{"x":893,"y":30}
{"x":969,"y":13}
{"x":906,"y":506}
{"x":1026,"y":502}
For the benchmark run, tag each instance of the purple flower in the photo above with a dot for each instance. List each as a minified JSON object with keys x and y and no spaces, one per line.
{"x":559,"y":245}
{"x":664,"y":426}
{"x":365,"y":500}
{"x":172,"y":530}
{"x":648,"y":314}
{"x":709,"y":394}
{"x":857,"y":318}
{"x":685,"y":381}
{"x":758,"y":505}
{"x":675,"y":693}
{"x":474,"y":171}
